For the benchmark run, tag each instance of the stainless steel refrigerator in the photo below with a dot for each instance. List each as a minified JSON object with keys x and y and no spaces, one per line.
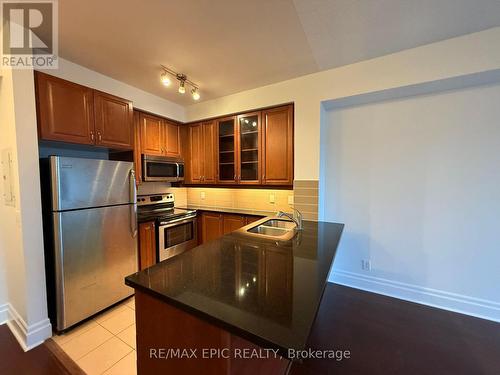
{"x":92,"y":244}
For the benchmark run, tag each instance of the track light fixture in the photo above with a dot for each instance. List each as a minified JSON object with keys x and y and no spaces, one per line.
{"x":195,"y":94}
{"x":183,"y":81}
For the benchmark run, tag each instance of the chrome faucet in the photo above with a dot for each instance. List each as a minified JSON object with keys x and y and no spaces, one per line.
{"x":296,"y":217}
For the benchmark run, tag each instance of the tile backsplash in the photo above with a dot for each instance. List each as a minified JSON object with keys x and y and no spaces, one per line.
{"x":255,"y":199}
{"x":304,"y":197}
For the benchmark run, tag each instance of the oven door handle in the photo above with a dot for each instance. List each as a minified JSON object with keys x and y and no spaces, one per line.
{"x":176,"y":222}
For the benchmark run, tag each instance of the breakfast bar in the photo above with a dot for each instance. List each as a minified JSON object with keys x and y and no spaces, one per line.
{"x":238,"y":304}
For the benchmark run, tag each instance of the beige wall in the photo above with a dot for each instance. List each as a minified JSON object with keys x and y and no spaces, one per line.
{"x":467,"y":54}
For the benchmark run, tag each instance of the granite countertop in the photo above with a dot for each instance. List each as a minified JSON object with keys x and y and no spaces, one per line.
{"x":265,"y":291}
{"x":230,"y":210}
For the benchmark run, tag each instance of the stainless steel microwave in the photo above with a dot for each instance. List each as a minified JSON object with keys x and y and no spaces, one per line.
{"x":162,"y":168}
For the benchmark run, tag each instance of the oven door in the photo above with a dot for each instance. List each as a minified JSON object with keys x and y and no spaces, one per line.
{"x":156,"y":169}
{"x":176,"y":237}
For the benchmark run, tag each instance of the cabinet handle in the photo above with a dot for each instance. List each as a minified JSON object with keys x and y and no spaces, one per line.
{"x":235,"y":178}
{"x":99,"y":136}
{"x":263,"y":177}
{"x":92,"y":136}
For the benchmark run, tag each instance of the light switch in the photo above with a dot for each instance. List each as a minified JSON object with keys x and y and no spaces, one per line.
{"x":290,"y":199}
{"x":272,"y":198}
{"x":202,"y":195}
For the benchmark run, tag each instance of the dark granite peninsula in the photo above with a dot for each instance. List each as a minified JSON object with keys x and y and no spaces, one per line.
{"x":229,"y":301}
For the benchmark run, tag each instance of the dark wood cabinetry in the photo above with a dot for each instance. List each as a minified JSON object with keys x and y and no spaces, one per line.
{"x":73,"y":113}
{"x":147,"y":245}
{"x":159,"y":137}
{"x":212,"y":226}
{"x":254,"y":148}
{"x":232,"y":223}
{"x":113,"y":121}
{"x":216,"y":224}
{"x":151,"y":135}
{"x":249,"y":148}
{"x":201,"y":160}
{"x":65,"y":110}
{"x":277,"y":147}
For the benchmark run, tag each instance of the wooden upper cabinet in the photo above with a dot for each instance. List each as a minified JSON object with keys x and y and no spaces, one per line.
{"x":172,"y":139}
{"x":227,"y":150}
{"x":159,"y":136}
{"x":249,"y":140}
{"x":65,"y":110}
{"x":195,"y":146}
{"x":277,"y":137}
{"x":152,"y":140}
{"x":202,"y":150}
{"x":113,"y":121}
{"x":209,"y":175}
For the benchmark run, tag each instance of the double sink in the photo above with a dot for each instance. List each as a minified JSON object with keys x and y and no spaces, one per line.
{"x":271,"y":228}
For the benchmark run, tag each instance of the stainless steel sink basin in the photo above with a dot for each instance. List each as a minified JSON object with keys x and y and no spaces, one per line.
{"x":270,"y":228}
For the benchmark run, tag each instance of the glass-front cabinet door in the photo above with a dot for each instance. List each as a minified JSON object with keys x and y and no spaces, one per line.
{"x":249,"y":150}
{"x":227,"y":150}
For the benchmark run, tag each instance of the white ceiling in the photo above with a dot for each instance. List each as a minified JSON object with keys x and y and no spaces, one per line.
{"x":227,"y":46}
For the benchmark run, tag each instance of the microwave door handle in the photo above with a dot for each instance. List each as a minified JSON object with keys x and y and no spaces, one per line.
{"x":133,"y":205}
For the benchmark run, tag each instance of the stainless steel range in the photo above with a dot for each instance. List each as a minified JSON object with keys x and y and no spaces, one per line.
{"x":176,"y":228}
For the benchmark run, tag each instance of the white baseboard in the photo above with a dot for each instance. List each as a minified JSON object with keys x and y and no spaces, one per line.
{"x":480,"y":308}
{"x":28,"y":336}
{"x":4,"y":313}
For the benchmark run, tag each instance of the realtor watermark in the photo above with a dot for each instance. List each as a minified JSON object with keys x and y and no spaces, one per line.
{"x":246,"y":353}
{"x":29,"y":34}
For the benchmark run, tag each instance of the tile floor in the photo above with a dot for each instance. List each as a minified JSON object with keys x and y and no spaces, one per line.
{"x":105,"y":344}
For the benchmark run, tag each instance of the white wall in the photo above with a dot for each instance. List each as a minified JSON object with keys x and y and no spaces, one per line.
{"x":416,"y":182}
{"x":141,"y":99}
{"x":21,"y":225}
{"x":464,"y":55}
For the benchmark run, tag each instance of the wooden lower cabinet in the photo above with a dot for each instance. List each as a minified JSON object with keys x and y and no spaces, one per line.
{"x":232,"y":223}
{"x":147,"y":244}
{"x":250,"y":219}
{"x":211,"y":226}
{"x":216,"y":224}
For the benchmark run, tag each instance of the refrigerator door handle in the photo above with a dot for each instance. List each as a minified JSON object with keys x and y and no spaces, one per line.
{"x":133,"y":206}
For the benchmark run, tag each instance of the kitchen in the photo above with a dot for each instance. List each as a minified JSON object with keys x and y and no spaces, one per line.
{"x":261,"y":200}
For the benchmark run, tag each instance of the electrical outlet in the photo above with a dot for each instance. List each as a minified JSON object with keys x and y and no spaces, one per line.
{"x":272,"y":198}
{"x":366,"y":265}
{"x":290,"y":199}
{"x":202,"y":195}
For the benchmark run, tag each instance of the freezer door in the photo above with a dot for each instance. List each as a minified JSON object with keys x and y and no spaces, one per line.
{"x":84,"y":183}
{"x":94,"y":250}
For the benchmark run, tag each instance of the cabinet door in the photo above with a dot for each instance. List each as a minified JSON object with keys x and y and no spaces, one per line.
{"x":276,"y":281}
{"x":251,"y":219}
{"x":212,"y":226}
{"x":172,"y":139}
{"x":227,"y":156}
{"x":113,"y":121}
{"x":232,"y":222}
{"x":137,"y":148}
{"x":249,"y":149}
{"x":278,"y":146}
{"x":65,"y":110}
{"x":147,"y":245}
{"x":209,"y":153}
{"x":194,"y":170}
{"x":152,"y":140}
